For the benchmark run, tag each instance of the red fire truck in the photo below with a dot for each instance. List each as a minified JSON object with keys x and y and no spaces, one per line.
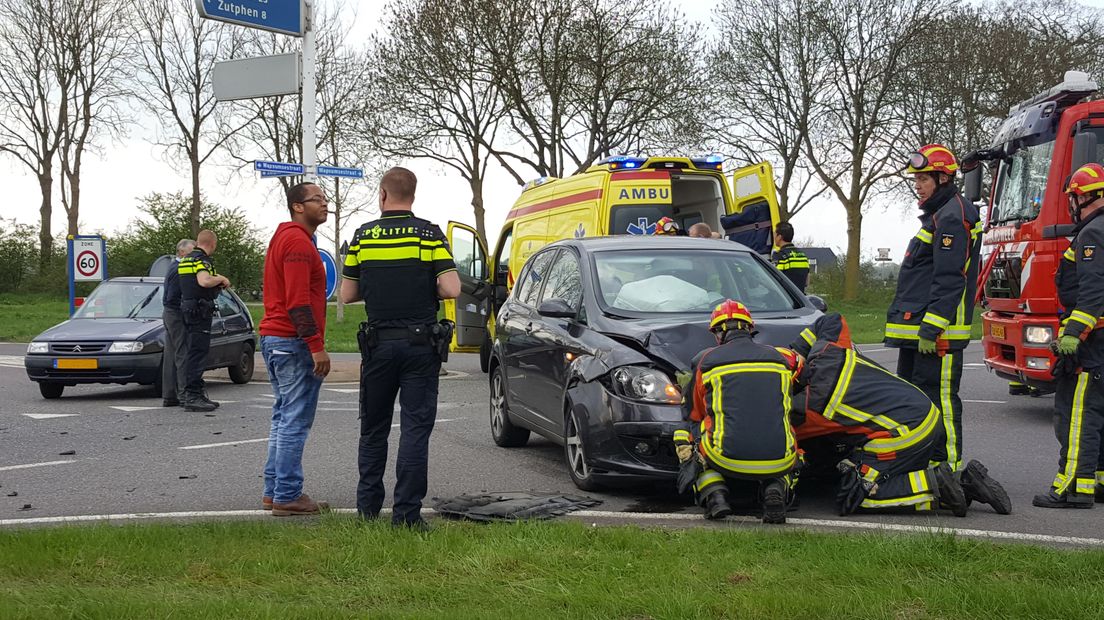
{"x":1028,"y":225}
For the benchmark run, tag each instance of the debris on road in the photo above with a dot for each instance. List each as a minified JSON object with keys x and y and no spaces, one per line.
{"x":67,"y":453}
{"x":511,"y":506}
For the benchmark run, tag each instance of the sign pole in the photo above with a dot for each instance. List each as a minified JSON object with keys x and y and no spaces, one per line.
{"x":310,"y":155}
{"x":69,"y":273}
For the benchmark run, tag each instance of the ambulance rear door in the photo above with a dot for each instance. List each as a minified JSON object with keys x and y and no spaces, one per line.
{"x":754,"y":209}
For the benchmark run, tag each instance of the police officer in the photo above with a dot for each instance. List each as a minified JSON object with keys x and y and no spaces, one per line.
{"x":929,"y":319}
{"x":739,"y":410}
{"x":1079,"y":398}
{"x":174,"y":354}
{"x":199,"y":286}
{"x":400,"y":265}
{"x":791,"y":261}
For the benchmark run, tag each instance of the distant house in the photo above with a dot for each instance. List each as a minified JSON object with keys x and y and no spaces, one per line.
{"x":825,"y":258}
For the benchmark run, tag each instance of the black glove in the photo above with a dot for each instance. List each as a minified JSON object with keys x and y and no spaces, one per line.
{"x":689,"y":471}
{"x":852,"y":488}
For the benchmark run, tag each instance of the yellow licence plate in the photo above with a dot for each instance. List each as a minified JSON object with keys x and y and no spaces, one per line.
{"x":76,"y":364}
{"x":997,"y":331}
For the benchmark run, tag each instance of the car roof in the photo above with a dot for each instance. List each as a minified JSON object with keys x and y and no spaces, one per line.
{"x":635,"y":242}
{"x":138,"y":279}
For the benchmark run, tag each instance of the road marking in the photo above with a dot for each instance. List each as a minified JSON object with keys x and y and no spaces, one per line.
{"x":344,"y":390}
{"x":47,"y":416}
{"x":219,"y":445}
{"x":592,"y":514}
{"x":130,"y":408}
{"x":974,"y":365}
{"x":12,"y":361}
{"x":30,"y":465}
{"x":984,"y":402}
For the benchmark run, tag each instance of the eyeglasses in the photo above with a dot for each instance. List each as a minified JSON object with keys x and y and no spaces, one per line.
{"x":316,"y":198}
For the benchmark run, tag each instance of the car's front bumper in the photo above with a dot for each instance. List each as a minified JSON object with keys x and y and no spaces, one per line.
{"x":626,"y":441}
{"x":114,"y":368}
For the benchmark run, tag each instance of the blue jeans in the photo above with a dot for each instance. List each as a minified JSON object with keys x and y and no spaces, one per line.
{"x":295,"y":386}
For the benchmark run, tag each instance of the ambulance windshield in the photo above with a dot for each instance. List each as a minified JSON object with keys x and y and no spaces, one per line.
{"x":1021,"y":184}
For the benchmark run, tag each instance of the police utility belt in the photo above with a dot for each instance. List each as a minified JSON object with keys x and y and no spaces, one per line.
{"x":200,"y":308}
{"x":437,"y":335}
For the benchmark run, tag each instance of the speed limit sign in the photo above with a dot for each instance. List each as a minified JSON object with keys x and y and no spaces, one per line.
{"x":87,"y":257}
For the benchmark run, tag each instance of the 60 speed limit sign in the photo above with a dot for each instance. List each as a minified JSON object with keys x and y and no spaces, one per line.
{"x":87,"y":257}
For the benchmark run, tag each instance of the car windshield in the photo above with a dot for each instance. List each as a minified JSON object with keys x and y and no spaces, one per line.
{"x":687,"y":281}
{"x":122,"y":300}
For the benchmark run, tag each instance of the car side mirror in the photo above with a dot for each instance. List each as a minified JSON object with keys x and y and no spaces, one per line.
{"x":502,"y":273}
{"x":556,"y":309}
{"x":818,"y":302}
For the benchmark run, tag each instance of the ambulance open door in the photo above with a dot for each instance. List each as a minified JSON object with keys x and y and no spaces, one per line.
{"x":754,"y":209}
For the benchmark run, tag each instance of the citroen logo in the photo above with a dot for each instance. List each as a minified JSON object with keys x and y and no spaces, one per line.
{"x":76,"y":348}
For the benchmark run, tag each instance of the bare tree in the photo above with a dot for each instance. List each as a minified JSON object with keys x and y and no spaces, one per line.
{"x":852,"y":146}
{"x":96,"y":36}
{"x":36,"y":82}
{"x":176,"y":57}
{"x":766,"y":67}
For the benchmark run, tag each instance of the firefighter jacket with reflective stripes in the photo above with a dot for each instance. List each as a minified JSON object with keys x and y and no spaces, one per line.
{"x":853,"y":394}
{"x":741,"y":404}
{"x":395,"y":261}
{"x":188,"y":269}
{"x":938,"y":277}
{"x":1080,"y":281}
{"x":793,"y":263}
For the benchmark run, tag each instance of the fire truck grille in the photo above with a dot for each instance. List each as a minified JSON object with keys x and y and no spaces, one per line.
{"x":1004,"y":279}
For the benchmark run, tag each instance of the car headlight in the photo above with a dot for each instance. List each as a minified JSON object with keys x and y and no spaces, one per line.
{"x":125,"y":347}
{"x":645,"y":384}
{"x":1038,"y":334}
{"x":38,"y":347}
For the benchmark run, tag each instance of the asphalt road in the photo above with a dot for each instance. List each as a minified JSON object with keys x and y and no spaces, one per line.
{"x":113,"y":449}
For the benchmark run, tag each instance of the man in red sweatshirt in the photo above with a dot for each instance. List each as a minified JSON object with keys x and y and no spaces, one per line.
{"x":293,"y":345}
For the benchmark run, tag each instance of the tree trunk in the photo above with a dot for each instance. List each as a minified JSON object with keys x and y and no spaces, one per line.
{"x":74,"y":200}
{"x":45,"y":238}
{"x":854,"y":238}
{"x":476,"y":184}
{"x":193,"y":217}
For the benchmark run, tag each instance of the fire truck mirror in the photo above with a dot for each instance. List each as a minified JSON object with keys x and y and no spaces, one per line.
{"x":972,"y":184}
{"x":1084,"y":149}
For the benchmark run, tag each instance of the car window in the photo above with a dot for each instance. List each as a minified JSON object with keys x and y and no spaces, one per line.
{"x":564,"y":280}
{"x":536,"y":270}
{"x":686,"y":281}
{"x":227,"y":307}
{"x":117,"y":299}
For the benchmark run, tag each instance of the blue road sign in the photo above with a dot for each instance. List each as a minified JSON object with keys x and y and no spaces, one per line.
{"x":331,"y":272}
{"x":266,"y":175}
{"x":283,"y":16}
{"x":280,"y":167}
{"x":331,"y":171}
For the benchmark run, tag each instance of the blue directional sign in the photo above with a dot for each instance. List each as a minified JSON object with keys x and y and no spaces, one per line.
{"x":331,"y":272}
{"x":266,"y":175}
{"x":332,"y":171}
{"x":280,"y":167}
{"x":283,"y":16}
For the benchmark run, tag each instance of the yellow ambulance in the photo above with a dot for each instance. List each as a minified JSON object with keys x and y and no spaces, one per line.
{"x":616,"y":196}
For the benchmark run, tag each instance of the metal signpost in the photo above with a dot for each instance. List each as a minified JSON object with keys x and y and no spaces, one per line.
{"x":87,"y":263}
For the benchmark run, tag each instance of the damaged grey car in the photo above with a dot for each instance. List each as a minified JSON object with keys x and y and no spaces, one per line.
{"x":588,"y":344}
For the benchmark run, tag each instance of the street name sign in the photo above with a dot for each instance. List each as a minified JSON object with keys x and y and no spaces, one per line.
{"x":263,"y":76}
{"x":333,"y":171}
{"x":280,"y":167}
{"x":283,"y":16}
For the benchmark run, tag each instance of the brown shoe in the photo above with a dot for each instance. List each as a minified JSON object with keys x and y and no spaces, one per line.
{"x":266,"y":503}
{"x":302,"y":506}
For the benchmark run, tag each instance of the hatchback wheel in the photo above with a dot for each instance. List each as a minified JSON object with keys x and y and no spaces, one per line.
{"x":242,"y":372}
{"x":50,"y":390}
{"x":576,"y":456}
{"x":503,"y":431}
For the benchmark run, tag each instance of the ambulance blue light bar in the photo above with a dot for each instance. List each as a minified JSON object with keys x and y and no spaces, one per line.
{"x":623,"y":162}
{"x":711,"y":162}
{"x":537,"y":183}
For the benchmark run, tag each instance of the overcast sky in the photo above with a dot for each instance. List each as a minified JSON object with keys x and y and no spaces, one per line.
{"x":113,"y":180}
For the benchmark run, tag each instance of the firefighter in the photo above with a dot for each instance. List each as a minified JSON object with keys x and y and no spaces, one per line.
{"x":1079,"y":398}
{"x":929,"y":319}
{"x":668,"y":226}
{"x":893,"y":426}
{"x":739,"y":413}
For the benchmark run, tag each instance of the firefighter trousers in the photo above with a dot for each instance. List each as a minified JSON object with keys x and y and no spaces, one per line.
{"x":904,"y":479}
{"x":1079,"y":427}
{"x":939,"y":377}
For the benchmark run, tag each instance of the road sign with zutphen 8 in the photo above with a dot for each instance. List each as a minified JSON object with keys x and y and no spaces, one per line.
{"x":283,"y":16}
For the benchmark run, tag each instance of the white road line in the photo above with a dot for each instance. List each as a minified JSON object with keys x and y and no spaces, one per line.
{"x":30,"y":465}
{"x":131,"y":408}
{"x":47,"y":416}
{"x":12,"y":361}
{"x":344,"y":390}
{"x":599,"y":514}
{"x":219,"y":445}
{"x":984,"y":402}
{"x":874,"y":350}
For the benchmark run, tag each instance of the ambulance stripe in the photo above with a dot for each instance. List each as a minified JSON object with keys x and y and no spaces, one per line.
{"x":593,"y":194}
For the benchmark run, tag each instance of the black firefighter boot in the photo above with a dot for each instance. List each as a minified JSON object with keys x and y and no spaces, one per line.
{"x":716,"y":504}
{"x":950,"y":492}
{"x":981,"y":487}
{"x":774,"y":501}
{"x":1051,"y":499}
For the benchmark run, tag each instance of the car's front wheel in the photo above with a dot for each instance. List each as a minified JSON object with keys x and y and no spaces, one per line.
{"x":504,"y":433}
{"x":50,"y":390}
{"x":576,"y":455}
{"x":242,"y":372}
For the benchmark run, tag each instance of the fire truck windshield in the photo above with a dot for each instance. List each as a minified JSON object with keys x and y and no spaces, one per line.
{"x":1021,"y":183}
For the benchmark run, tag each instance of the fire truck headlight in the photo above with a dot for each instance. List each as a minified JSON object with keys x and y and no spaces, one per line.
{"x":1038,"y":363}
{"x":1038,"y":334}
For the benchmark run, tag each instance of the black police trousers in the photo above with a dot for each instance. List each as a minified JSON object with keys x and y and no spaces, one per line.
{"x":411,"y":371}
{"x":197,"y":343}
{"x":1079,"y":427}
{"x":939,"y":377}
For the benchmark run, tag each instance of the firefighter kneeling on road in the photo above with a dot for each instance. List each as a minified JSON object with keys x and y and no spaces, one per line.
{"x":741,"y":430}
{"x":895,"y":425}
{"x":1079,"y":397}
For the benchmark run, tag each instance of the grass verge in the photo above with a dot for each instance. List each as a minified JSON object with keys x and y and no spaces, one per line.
{"x":867,"y":321}
{"x":341,"y":568}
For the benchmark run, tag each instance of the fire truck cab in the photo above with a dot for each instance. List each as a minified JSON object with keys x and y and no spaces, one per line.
{"x":1028,"y":225}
